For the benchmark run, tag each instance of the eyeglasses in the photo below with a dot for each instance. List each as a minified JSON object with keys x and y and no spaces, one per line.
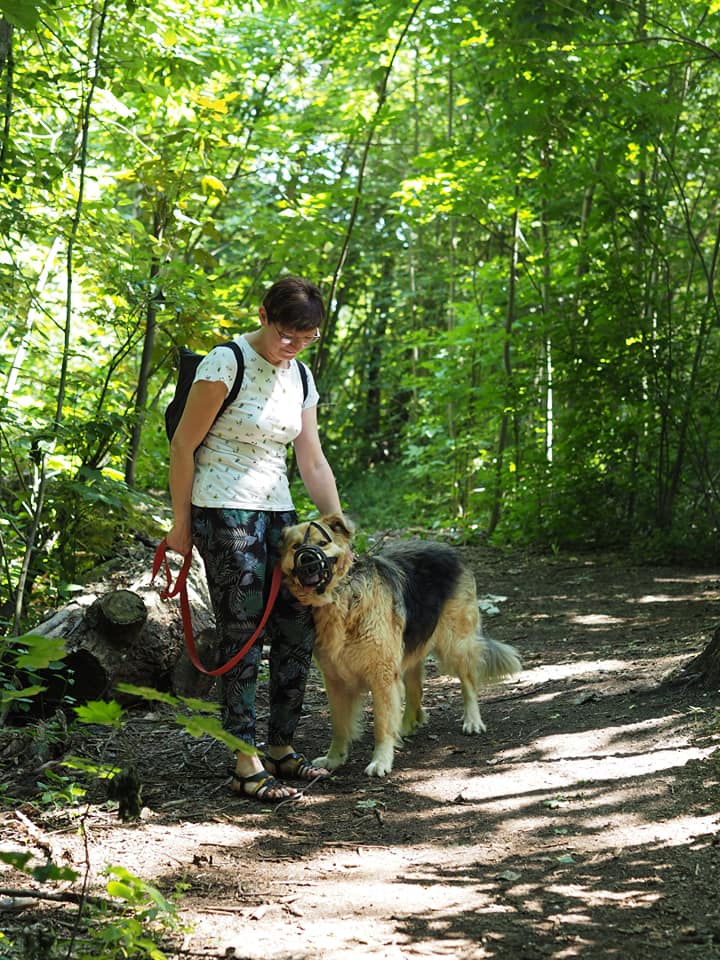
{"x":299,"y":342}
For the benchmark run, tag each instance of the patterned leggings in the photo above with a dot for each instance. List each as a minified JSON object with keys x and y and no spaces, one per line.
{"x":240,"y":549}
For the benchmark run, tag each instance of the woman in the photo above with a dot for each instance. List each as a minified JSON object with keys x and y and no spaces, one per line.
{"x":231,"y":498}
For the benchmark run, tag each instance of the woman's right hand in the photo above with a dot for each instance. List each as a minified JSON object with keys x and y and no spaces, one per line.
{"x":179,"y":539}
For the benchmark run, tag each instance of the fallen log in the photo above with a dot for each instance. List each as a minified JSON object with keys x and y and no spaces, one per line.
{"x":120,"y":631}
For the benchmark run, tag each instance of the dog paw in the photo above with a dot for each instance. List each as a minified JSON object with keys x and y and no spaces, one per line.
{"x":329,"y":762}
{"x":473,"y":725}
{"x":377,"y":769}
{"x":411,"y":724}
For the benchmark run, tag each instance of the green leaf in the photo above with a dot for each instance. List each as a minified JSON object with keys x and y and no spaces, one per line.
{"x":21,"y":13}
{"x":150,"y":693}
{"x":147,"y":693}
{"x":105,"y":712}
{"x":7,"y":696}
{"x":134,"y":889}
{"x":211,"y":185}
{"x":101,"y":771}
{"x":15,"y":859}
{"x":42,"y":651}
{"x":202,"y":726}
{"x":50,"y":871}
{"x":118,"y":889}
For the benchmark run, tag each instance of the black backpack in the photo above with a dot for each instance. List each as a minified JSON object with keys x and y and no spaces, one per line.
{"x":187,"y":363}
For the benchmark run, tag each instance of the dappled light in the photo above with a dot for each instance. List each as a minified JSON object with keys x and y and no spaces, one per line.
{"x":597,"y":620}
{"x":581,"y":825}
{"x":666,"y":598}
{"x":509,"y":215}
{"x":564,"y":671}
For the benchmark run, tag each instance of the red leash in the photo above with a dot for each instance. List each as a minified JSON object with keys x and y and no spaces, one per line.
{"x":181,"y":589}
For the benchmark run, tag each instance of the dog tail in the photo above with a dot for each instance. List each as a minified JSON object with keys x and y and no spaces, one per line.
{"x":497,"y":660}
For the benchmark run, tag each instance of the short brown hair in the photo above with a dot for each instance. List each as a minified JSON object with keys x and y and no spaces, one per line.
{"x":294,"y":304}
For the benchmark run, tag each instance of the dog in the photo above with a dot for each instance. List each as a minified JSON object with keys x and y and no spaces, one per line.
{"x":377,"y":618}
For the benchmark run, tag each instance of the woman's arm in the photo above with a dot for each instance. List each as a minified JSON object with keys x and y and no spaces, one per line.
{"x":203,"y":403}
{"x":314,"y":469}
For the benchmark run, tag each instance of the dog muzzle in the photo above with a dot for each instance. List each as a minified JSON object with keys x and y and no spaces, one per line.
{"x":312,"y":567}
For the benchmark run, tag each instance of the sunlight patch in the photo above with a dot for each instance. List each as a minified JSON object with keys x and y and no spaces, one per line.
{"x":561,"y":671}
{"x":702,"y":597}
{"x":600,"y":745}
{"x":596,"y":898}
{"x":596,"y":620}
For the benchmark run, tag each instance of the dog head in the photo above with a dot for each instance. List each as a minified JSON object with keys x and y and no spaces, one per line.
{"x":315,"y":556}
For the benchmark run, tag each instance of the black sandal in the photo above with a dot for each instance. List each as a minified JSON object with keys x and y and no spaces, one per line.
{"x":264,"y":783}
{"x":293,"y":766}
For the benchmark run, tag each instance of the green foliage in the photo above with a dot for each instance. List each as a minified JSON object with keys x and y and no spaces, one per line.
{"x":189,"y":715}
{"x":126,"y":926}
{"x":512,"y":207}
{"x":22,"y":13}
{"x":21,"y":659}
{"x":43,"y":873}
{"x":36,"y":652}
{"x":106,"y":713}
{"x":60,"y":792}
{"x":136,"y":893}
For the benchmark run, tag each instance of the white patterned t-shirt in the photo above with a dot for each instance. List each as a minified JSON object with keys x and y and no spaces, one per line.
{"x":242,"y":462}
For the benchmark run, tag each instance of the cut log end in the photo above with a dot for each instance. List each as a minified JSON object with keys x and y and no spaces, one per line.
{"x":121,"y":615}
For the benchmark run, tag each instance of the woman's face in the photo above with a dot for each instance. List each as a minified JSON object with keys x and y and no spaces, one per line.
{"x":283,"y":343}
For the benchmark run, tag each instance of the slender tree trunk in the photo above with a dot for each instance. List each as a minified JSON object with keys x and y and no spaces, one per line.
{"x":95,"y":48}
{"x":141,"y":393}
{"x":496,"y":509}
{"x":546,"y":377}
{"x":458,"y":465}
{"x":22,"y":347}
{"x":321,"y":355}
{"x":7,"y":67}
{"x":415,"y":243}
{"x":376,"y":442}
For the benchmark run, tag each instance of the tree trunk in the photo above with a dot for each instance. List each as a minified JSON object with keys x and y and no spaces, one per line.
{"x":141,"y":393}
{"x":704,"y":670}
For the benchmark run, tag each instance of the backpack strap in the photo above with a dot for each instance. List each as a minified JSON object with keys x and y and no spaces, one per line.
{"x":235,"y":388}
{"x":304,"y":377}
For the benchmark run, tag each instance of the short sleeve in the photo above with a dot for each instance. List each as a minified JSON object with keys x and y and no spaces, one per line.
{"x":219,"y":364}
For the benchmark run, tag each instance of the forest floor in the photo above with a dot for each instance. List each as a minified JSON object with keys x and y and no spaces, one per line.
{"x":584,"y":824}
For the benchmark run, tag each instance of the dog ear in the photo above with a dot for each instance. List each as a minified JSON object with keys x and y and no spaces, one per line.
{"x":339,"y":524}
{"x":344,"y":562}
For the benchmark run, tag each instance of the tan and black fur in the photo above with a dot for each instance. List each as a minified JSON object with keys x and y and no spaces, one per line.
{"x":377,"y":620}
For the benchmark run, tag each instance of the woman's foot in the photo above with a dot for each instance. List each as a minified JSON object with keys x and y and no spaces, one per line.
{"x":291,"y":765}
{"x":262,"y":786}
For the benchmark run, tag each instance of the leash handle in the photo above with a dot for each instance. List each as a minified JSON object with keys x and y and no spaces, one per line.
{"x":180,"y":589}
{"x":160,"y":560}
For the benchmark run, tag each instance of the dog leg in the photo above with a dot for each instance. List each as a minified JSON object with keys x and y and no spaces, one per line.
{"x":462,"y":663}
{"x":493,"y":661}
{"x":414,"y":716}
{"x":472,"y":721}
{"x":345,"y":710}
{"x":387,"y":710}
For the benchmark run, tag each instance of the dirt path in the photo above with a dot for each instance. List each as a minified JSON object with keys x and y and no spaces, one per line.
{"x":583,"y":824}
